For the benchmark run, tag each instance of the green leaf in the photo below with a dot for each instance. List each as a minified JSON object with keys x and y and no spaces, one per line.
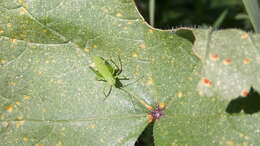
{"x":231,"y":62}
{"x":49,"y":96}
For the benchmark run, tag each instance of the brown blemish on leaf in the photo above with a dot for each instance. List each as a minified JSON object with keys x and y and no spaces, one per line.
{"x":142,"y":46}
{"x":246,"y":61}
{"x":207,"y":82}
{"x":227,"y":61}
{"x":245,"y":36}
{"x":9,"y":108}
{"x":214,"y":57}
{"x":1,"y":31}
{"x":244,"y":92}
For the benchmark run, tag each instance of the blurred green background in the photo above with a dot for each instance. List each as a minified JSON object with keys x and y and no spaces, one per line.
{"x":196,"y":13}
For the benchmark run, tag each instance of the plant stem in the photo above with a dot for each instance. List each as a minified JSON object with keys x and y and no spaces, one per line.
{"x":253,"y":11}
{"x":151,"y":11}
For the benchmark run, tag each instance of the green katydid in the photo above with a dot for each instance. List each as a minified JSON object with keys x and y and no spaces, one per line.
{"x":107,"y":73}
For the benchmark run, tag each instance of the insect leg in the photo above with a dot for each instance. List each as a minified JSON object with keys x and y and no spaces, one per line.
{"x":106,"y":95}
{"x":132,"y":82}
{"x":131,"y":96}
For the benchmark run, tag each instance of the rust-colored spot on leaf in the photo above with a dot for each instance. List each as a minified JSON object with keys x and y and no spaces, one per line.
{"x":207,"y":82}
{"x":245,"y":36}
{"x":244,"y":92}
{"x":214,"y":57}
{"x":227,"y":61}
{"x":246,"y":61}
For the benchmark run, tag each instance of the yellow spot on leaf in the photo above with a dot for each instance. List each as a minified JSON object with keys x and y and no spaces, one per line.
{"x":13,"y":40}
{"x":19,"y":123}
{"x":9,"y":108}
{"x":17,"y":103}
{"x":229,"y":143}
{"x":93,"y":126}
{"x":94,"y":46}
{"x":47,"y":61}
{"x":22,"y":11}
{"x":129,"y":22}
{"x":162,"y":105}
{"x":25,"y":139}
{"x":86,"y":49}
{"x":21,"y":1}
{"x":150,"y":81}
{"x":9,"y":25}
{"x":150,"y":30}
{"x":5,"y":124}
{"x":45,"y":30}
{"x":38,"y":144}
{"x":135,"y":55}
{"x":26,"y":97}
{"x":179,"y":94}
{"x":39,"y":72}
{"x":59,"y":144}
{"x":2,"y":61}
{"x":142,"y":46}
{"x":1,"y":31}
{"x":119,"y":15}
{"x":125,"y":28}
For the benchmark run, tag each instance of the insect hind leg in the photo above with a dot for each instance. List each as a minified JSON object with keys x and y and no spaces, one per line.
{"x":104,"y":92}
